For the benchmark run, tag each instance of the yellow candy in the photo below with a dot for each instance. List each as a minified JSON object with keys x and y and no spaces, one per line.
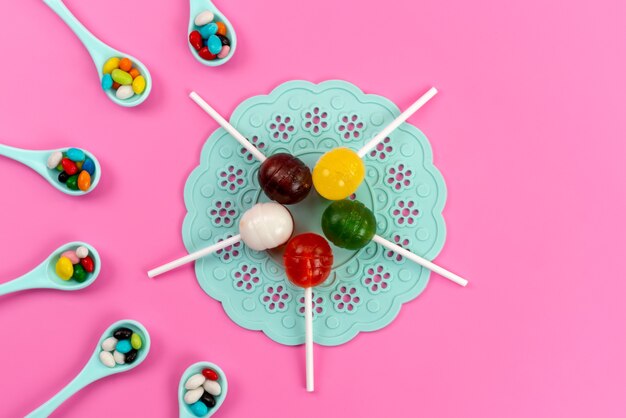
{"x":64,"y":268}
{"x":338,"y":173}
{"x":139,"y":84}
{"x":110,"y":65}
{"x":135,"y":341}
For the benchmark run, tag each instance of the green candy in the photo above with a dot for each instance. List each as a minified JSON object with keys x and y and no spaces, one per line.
{"x":72,"y":182}
{"x":348,"y":224}
{"x":80,"y":275}
{"x":135,"y":341}
{"x":122,"y":77}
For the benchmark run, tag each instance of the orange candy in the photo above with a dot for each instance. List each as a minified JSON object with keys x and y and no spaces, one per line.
{"x":221,"y":28}
{"x":84,"y":181}
{"x":126,"y":64}
{"x":116,"y":85}
{"x":134,"y":73}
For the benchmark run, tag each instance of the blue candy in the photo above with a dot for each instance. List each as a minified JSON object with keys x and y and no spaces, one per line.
{"x":89,"y":166}
{"x":199,"y":409}
{"x":107,"y":81}
{"x":208,"y":30}
{"x":75,"y":154}
{"x":214,"y":44}
{"x":123,"y":346}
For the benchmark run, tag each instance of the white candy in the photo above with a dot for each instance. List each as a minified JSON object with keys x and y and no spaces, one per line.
{"x":266,"y":225}
{"x":82,"y":252}
{"x":109,"y":344}
{"x":194,"y":381}
{"x":124,"y":92}
{"x":204,"y":18}
{"x":107,"y":359}
{"x":54,"y":159}
{"x":119,"y":357}
{"x":212,"y":387}
{"x":193,"y":396}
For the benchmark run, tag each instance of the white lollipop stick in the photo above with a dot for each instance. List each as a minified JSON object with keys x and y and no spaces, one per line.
{"x":227,"y":126}
{"x":308,"y":338}
{"x":396,"y":122}
{"x":419,"y":260}
{"x":194,"y":256}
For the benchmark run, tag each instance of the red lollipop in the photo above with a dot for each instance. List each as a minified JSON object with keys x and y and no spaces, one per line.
{"x":308,"y":261}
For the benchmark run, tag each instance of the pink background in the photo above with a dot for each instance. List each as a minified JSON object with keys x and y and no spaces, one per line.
{"x":528,"y":131}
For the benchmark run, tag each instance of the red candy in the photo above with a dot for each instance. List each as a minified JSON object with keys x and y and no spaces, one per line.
{"x":206,"y":54}
{"x":195,"y":39}
{"x":210,"y":374}
{"x":87,"y":264}
{"x":308,"y":260}
{"x":69,"y":166}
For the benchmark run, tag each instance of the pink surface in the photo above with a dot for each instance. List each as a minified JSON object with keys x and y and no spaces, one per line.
{"x":528,"y":131}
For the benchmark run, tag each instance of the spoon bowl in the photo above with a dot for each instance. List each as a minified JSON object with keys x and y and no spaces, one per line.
{"x":44,"y":275}
{"x":196,"y":368}
{"x":37,"y":160}
{"x":198,"y":6}
{"x":101,"y":52}
{"x":95,"y":370}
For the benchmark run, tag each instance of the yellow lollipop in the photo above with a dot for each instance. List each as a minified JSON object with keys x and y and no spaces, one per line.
{"x":338,"y":173}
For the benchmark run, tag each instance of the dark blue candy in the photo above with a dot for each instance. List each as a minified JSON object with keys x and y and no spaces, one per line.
{"x":89,"y":166}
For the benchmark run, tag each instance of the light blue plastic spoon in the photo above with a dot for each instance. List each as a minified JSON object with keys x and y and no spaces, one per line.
{"x":196,"y":368}
{"x":44,"y":276}
{"x":37,"y":160}
{"x":95,"y":370}
{"x":199,"y":6}
{"x":101,"y":52}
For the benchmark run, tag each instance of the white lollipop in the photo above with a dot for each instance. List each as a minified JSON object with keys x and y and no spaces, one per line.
{"x":264,"y":226}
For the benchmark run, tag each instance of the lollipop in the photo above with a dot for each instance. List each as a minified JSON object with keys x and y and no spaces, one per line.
{"x":283,"y":177}
{"x":350,"y":224}
{"x":339,"y":172}
{"x":264,"y":226}
{"x":308,"y":260}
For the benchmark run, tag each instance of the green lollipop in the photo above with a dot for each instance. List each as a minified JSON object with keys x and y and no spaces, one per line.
{"x":350,"y":224}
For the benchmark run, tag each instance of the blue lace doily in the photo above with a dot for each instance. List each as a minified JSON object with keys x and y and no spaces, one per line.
{"x":402,"y":186}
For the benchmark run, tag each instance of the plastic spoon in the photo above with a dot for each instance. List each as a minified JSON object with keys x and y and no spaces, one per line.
{"x":37,"y":159}
{"x":199,"y":6}
{"x":101,"y":52}
{"x":44,"y":275}
{"x":196,"y":368}
{"x":95,"y":370}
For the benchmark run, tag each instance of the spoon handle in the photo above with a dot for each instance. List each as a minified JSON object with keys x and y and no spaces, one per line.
{"x":89,"y":40}
{"x":26,"y":157}
{"x":74,"y":386}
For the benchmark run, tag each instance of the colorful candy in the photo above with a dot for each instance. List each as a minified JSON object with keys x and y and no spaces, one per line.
{"x":338,"y":173}
{"x":119,"y":348}
{"x":76,"y":169}
{"x":348,"y":224}
{"x":120,"y":75}
{"x":201,"y":389}
{"x":209,"y":38}
{"x":285,"y":178}
{"x":308,"y":260}
{"x":71,"y":265}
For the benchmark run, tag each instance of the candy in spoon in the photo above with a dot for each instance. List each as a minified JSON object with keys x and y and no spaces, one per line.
{"x":212,"y":39}
{"x":283,"y":177}
{"x":124,"y":78}
{"x":71,"y":170}
{"x":350,"y":224}
{"x":308,"y":261}
{"x":95,"y":369}
{"x":72,"y":266}
{"x":264,"y":226}
{"x":339,"y":172}
{"x":202,"y":390}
